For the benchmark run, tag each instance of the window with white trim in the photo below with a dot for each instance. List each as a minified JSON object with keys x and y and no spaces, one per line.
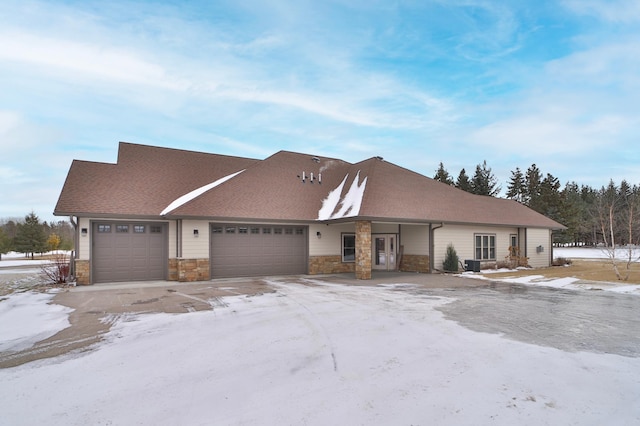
{"x":348,"y":247}
{"x":485,"y":247}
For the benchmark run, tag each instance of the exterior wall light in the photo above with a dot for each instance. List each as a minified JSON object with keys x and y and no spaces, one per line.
{"x":196,"y":233}
{"x":84,"y":232}
{"x":318,"y":234}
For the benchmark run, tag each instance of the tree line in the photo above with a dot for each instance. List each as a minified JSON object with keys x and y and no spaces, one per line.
{"x":608,"y":216}
{"x":30,"y":236}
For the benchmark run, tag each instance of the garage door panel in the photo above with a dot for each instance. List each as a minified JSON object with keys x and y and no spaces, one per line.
{"x":129,"y":252}
{"x":261,"y":250}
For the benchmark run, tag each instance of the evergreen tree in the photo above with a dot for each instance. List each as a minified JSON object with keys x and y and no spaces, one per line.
{"x":572,"y":216}
{"x":463,"y":181}
{"x":442,"y":175}
{"x":589,"y":198}
{"x":550,"y":202}
{"x":484,"y":182}
{"x":532,"y":181}
{"x":450,"y":262}
{"x":30,"y":237}
{"x":516,"y":190}
{"x":5,"y":243}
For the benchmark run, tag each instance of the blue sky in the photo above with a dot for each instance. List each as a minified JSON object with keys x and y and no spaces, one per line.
{"x":555,"y":83}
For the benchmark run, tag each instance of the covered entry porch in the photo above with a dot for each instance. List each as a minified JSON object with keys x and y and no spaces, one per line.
{"x":367,"y":246}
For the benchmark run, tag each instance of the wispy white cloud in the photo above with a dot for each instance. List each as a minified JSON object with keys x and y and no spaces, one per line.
{"x":617,"y":11}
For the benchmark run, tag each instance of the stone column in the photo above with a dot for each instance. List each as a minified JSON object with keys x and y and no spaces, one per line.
{"x":363,"y":250}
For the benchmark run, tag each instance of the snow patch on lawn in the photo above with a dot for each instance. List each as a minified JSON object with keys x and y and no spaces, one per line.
{"x":27,"y":318}
{"x":593,"y":253}
{"x":570,"y":283}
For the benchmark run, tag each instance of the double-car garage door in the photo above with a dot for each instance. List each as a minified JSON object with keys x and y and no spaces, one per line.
{"x":257,"y":250}
{"x":129,"y":251}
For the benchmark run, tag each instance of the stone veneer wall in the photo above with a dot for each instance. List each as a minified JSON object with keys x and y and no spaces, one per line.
{"x":83,"y":272}
{"x":173,"y":269}
{"x":414,"y":263}
{"x":189,"y":270}
{"x":363,"y":250}
{"x":329,"y":265}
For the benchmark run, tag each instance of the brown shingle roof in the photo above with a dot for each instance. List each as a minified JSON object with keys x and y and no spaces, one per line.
{"x":147,"y":179}
{"x":271,"y":190}
{"x":144,"y":181}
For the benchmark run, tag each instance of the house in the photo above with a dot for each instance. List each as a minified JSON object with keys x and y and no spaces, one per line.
{"x":169,"y":214}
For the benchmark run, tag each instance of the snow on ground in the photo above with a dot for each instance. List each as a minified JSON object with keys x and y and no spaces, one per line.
{"x":592,"y":253}
{"x":13,"y":259}
{"x":319,"y":355}
{"x":29,"y":317}
{"x":569,"y":283}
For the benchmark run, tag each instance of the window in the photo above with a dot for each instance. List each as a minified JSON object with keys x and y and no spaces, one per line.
{"x":230,"y":230}
{"x":243,"y":230}
{"x":485,"y":247}
{"x":299,"y":231}
{"x":277,"y":231}
{"x":348,"y":247}
{"x":138,"y":229}
{"x":266,"y":230}
{"x":288,"y":231}
{"x":122,"y":229}
{"x":216,"y":230}
{"x":514,"y":244}
{"x":155,"y":229}
{"x":255,"y":230}
{"x":104,"y":228}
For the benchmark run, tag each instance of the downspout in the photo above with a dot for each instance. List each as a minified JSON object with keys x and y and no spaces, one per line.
{"x":432,"y":248}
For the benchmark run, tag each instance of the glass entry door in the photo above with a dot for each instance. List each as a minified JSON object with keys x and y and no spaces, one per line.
{"x":384,"y":252}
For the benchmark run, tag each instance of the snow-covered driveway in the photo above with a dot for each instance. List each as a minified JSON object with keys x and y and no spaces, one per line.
{"x":321,"y":354}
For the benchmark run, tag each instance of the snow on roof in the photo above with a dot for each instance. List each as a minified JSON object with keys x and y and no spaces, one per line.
{"x":350,"y":204}
{"x":196,"y":193}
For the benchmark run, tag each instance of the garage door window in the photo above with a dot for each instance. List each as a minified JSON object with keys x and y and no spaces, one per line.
{"x":216,"y":230}
{"x":139,"y":229}
{"x":230,"y":230}
{"x":103,"y":229}
{"x":122,"y":229}
{"x":155,"y":229}
{"x":266,"y":230}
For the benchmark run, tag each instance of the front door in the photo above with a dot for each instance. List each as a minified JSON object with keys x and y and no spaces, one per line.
{"x":384,"y":252}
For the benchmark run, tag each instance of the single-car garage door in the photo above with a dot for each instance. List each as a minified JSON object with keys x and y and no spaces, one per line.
{"x":129,"y":251}
{"x":255,"y":250}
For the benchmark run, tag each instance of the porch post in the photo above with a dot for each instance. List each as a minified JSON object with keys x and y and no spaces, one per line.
{"x":363,"y":250}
